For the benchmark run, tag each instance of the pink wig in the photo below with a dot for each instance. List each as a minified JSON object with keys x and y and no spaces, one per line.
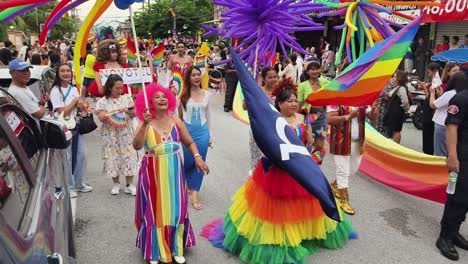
{"x":151,"y":91}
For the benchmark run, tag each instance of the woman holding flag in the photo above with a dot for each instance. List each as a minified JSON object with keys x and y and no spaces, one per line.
{"x":273,"y":218}
{"x":109,"y":56}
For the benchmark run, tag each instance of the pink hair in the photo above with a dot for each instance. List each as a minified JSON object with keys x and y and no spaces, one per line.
{"x":151,"y":91}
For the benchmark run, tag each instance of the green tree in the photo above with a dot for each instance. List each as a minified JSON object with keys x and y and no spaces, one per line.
{"x":158,"y":20}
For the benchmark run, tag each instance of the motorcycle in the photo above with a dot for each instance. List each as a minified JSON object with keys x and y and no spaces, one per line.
{"x":417,"y":99}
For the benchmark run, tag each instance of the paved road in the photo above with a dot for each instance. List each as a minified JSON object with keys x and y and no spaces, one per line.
{"x":393,"y":227}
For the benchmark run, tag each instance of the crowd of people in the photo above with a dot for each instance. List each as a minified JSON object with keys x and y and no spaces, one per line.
{"x":164,"y":139}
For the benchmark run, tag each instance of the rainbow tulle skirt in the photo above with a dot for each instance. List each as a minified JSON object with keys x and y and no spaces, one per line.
{"x":274,"y":220}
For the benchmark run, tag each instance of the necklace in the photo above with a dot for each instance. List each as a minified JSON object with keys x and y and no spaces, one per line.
{"x":291,"y":119}
{"x":315,"y":84}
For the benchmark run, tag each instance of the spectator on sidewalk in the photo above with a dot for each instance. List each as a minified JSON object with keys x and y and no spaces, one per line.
{"x":465,"y":44}
{"x":20,"y":76}
{"x":6,"y":53}
{"x":420,"y":56}
{"x":443,"y":45}
{"x":455,"y":43}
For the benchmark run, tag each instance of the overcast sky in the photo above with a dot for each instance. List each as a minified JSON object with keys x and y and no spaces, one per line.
{"x":111,"y":14}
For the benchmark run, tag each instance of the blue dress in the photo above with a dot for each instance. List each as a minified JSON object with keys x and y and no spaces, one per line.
{"x":196,"y":118}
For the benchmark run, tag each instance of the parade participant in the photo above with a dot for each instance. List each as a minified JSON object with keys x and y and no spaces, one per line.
{"x":428,"y":113}
{"x":291,"y":70}
{"x":395,"y":114}
{"x":273,"y":219}
{"x":161,"y":212}
{"x":180,"y":61}
{"x":116,"y":112}
{"x":194,"y":111}
{"x":381,"y":105}
{"x":440,"y":105}
{"x":20,"y":75}
{"x":231,"y":86}
{"x":313,"y":83}
{"x":66,"y":100}
{"x":449,"y":70}
{"x":89,"y":73}
{"x":270,"y":78}
{"x":456,"y":206}
{"x":346,"y":146}
{"x":108,"y":57}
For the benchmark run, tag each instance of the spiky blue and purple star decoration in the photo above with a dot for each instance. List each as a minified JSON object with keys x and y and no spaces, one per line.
{"x":264,"y":24}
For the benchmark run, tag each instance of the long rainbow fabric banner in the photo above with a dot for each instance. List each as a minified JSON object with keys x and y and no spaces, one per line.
{"x":389,"y":163}
{"x":131,"y":51}
{"x":158,"y":54}
{"x":404,"y":169}
{"x":363,"y":80}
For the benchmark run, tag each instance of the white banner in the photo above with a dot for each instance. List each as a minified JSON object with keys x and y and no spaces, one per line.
{"x":129,"y":75}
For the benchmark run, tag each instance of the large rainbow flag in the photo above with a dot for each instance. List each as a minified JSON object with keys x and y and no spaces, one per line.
{"x":404,"y":169}
{"x":389,"y":163}
{"x":131,"y":51}
{"x":363,"y":80}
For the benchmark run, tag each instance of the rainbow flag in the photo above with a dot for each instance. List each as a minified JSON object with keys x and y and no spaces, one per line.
{"x":158,"y":54}
{"x":418,"y":174}
{"x":200,"y":61}
{"x":178,"y":78}
{"x":131,"y":50}
{"x":363,"y":80}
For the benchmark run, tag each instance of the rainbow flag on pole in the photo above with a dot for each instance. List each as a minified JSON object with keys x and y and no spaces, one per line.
{"x":363,"y":80}
{"x":158,"y":54}
{"x":131,"y":50}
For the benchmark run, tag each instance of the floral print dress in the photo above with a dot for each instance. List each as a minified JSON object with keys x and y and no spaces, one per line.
{"x":119,"y":157}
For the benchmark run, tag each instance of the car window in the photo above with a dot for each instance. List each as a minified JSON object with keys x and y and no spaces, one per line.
{"x":15,"y":186}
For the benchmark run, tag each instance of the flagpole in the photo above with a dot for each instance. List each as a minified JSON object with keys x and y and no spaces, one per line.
{"x":135,"y":40}
{"x":256,"y":57}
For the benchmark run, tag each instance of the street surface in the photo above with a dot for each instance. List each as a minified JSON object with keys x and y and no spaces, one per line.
{"x":393,"y":227}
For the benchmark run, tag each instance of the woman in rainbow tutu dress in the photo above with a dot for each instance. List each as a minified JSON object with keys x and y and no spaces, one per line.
{"x":273,"y":219}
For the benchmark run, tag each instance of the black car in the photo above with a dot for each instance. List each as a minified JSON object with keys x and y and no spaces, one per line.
{"x":36,"y":223}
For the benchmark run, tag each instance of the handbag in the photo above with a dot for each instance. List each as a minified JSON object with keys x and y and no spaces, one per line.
{"x":68,"y":121}
{"x":87,"y":124}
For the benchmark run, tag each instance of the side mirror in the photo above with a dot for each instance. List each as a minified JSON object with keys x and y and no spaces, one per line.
{"x":413,"y":71}
{"x":414,"y":83}
{"x":56,"y":135}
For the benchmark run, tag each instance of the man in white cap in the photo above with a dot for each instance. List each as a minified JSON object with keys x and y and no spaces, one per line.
{"x":20,"y":75}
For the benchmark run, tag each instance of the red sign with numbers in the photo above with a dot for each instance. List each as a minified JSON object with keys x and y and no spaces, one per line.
{"x":452,"y":10}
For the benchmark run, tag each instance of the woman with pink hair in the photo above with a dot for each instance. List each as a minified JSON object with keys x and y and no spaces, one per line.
{"x":161,"y":214}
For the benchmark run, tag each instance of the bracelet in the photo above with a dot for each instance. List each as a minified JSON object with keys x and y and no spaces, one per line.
{"x":197,"y":155}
